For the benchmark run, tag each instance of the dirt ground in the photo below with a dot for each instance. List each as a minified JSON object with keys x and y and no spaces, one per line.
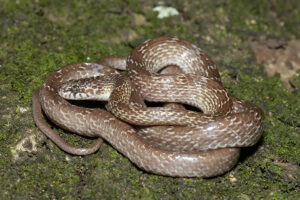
{"x":255,"y":44}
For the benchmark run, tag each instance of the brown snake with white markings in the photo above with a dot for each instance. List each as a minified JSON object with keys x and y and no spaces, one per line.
{"x":167,"y":140}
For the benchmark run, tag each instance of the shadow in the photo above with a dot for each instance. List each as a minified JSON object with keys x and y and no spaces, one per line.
{"x":249,"y":151}
{"x":88,"y":103}
{"x":161,"y":104}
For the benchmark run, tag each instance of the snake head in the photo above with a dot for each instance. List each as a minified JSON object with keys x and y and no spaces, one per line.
{"x":92,"y":88}
{"x":71,"y":89}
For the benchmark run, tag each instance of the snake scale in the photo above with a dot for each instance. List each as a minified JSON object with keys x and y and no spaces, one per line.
{"x":169,"y":140}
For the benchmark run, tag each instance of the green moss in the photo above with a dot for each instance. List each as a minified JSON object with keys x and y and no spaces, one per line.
{"x":39,"y":36}
{"x":281,"y":110}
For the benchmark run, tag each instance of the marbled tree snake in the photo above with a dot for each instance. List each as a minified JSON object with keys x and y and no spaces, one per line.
{"x":168,"y":140}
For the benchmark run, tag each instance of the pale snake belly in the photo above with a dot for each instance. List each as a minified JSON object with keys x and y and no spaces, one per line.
{"x":208,"y":143}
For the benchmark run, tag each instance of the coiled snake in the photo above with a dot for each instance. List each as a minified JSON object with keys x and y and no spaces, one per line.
{"x":168,"y":140}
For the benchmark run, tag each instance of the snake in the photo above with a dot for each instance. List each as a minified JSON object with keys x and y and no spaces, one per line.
{"x":168,"y":140}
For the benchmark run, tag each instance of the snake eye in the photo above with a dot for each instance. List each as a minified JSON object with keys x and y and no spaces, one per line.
{"x":75,"y":89}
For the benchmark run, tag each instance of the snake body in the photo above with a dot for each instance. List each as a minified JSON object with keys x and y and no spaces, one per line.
{"x":207,"y":147}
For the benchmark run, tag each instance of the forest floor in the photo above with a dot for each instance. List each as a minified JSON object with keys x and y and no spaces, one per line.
{"x":255,"y":45}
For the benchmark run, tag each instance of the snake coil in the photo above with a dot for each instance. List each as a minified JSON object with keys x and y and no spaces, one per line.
{"x":168,"y":140}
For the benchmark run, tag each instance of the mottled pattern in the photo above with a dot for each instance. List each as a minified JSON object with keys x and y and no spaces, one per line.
{"x":202,"y":149}
{"x":201,"y":75}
